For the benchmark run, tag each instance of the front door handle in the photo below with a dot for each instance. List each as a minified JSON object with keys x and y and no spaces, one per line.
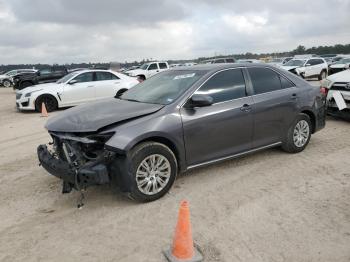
{"x":90,"y":86}
{"x":246,"y":108}
{"x":294,"y":96}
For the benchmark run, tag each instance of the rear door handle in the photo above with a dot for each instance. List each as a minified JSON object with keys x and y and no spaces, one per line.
{"x":90,"y":86}
{"x":246,"y":108}
{"x":294,"y":96}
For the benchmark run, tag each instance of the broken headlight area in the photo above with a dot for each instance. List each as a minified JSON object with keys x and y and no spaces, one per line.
{"x":80,"y":160}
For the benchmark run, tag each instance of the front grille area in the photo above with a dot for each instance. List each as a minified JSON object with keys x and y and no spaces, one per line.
{"x":18,"y":96}
{"x":25,"y":103}
{"x":341,"y":86}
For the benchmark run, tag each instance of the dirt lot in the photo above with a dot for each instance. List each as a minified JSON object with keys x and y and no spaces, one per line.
{"x":269,"y":206}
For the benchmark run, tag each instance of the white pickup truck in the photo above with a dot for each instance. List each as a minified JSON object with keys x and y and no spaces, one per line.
{"x":147,"y":70}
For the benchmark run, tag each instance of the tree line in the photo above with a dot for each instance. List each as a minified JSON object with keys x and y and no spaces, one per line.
{"x":319,"y":50}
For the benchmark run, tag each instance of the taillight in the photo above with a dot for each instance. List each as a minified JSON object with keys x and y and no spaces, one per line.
{"x":324,"y":91}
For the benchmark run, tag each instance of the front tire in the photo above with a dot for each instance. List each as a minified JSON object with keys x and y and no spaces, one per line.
{"x":322,"y":75}
{"x":7,"y":83}
{"x":298,"y":135}
{"x":49,"y":101}
{"x":153,"y":170}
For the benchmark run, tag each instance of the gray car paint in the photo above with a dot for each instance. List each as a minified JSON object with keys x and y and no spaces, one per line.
{"x":91,"y":117}
{"x":205,"y":134}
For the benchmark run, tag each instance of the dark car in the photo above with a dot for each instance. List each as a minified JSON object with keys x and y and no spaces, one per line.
{"x":46,"y":75}
{"x":178,"y":120}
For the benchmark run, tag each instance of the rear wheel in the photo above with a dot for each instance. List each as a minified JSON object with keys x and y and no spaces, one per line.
{"x":141,"y":78}
{"x":154,"y":169}
{"x":298,"y":135}
{"x":49,"y":101}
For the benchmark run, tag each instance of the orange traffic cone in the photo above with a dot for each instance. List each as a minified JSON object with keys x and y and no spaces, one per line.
{"x":43,"y":110}
{"x":183,"y":248}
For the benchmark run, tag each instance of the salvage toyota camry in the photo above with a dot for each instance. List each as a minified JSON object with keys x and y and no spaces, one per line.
{"x":178,"y":120}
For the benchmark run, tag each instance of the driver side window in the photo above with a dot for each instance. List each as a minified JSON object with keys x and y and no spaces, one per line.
{"x":85,"y":77}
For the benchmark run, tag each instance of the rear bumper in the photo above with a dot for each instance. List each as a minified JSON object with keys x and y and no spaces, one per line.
{"x":92,"y":173}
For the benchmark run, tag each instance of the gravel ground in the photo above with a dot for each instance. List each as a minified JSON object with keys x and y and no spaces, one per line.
{"x":269,"y":206}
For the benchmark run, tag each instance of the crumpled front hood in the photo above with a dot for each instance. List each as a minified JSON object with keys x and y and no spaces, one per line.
{"x":93,"y":116}
{"x":343,"y":76}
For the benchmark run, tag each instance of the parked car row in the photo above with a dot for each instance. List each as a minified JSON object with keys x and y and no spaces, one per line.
{"x":73,"y":89}
{"x":6,"y":79}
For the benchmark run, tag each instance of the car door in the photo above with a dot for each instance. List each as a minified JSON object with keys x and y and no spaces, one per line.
{"x":152,"y":69}
{"x":163,"y":67}
{"x":224,"y":128}
{"x":274,"y":105}
{"x":79,"y":90}
{"x":311,"y":68}
{"x":106,"y":84}
{"x":44,"y":75}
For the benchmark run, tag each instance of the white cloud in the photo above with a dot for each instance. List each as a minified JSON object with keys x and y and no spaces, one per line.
{"x":60,"y":31}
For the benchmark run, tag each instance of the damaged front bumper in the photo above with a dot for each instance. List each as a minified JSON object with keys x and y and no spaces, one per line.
{"x":94,"y":172}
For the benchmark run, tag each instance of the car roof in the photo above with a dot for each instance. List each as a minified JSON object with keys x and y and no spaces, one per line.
{"x":218,"y":67}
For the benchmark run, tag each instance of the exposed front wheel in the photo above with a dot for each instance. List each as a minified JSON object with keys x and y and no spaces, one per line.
{"x":49,"y":101}
{"x":154,"y":169}
{"x":298,"y":135}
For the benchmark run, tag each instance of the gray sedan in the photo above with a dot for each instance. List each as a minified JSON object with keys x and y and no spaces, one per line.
{"x":178,"y":120}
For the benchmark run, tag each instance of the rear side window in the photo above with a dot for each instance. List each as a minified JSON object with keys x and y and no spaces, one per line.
{"x":264,"y":80}
{"x":219,"y":61}
{"x":153,"y":67}
{"x":103,"y":76}
{"x":230,"y":60}
{"x":285,"y":83}
{"x":315,"y":61}
{"x":225,"y":86}
{"x":163,"y":66}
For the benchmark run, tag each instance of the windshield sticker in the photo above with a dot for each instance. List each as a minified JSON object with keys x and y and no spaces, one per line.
{"x":184,"y":76}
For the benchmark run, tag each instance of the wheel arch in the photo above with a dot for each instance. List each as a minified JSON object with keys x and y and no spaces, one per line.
{"x":44,"y":95}
{"x":312,"y":117}
{"x":165,"y":141}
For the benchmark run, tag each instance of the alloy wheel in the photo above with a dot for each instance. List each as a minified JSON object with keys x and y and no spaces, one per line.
{"x":153,"y":174}
{"x":6,"y":83}
{"x":301,"y":133}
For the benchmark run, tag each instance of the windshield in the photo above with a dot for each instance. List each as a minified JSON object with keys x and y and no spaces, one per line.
{"x":11,"y":73}
{"x":67,"y":77}
{"x":343,"y":61}
{"x":163,"y":88}
{"x":144,"y":66}
{"x":295,"y":63}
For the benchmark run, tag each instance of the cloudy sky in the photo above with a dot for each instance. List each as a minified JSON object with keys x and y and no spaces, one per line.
{"x":65,"y":31}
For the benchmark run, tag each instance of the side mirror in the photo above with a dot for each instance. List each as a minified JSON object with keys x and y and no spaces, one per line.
{"x":72,"y":82}
{"x":308,"y":65}
{"x":200,"y":101}
{"x":120,"y":92}
{"x":38,"y":73}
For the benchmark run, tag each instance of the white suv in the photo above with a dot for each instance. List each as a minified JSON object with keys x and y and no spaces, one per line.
{"x":308,"y":67}
{"x":147,"y":70}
